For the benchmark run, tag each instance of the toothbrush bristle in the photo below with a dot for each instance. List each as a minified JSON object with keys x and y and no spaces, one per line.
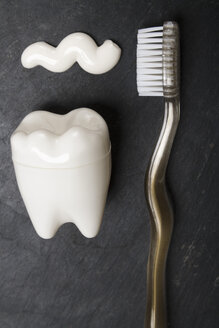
{"x":149,"y":62}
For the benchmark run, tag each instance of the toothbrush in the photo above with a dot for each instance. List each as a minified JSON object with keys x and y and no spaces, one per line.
{"x":158,"y":75}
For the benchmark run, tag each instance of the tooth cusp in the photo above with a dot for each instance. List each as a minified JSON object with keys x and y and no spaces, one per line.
{"x":43,"y":138}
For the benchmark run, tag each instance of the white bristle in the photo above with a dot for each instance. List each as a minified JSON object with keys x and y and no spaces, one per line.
{"x":149,"y":39}
{"x":149,"y":62}
{"x":150,"y":29}
{"x":150,"y":35}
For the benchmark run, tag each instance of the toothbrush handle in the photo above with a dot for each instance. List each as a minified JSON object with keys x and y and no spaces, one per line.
{"x":161,"y":218}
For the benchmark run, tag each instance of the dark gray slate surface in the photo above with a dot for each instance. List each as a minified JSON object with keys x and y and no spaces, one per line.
{"x":73,"y":282}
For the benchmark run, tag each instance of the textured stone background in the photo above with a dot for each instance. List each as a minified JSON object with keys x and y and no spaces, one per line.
{"x":73,"y":282}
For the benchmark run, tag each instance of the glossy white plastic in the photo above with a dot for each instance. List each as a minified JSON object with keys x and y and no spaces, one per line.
{"x":78,"y":47}
{"x":63,"y":166}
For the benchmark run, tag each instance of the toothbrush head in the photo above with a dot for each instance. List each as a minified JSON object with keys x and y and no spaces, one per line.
{"x":158,"y":61}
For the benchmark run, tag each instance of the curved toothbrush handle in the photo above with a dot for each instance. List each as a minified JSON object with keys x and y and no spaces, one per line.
{"x":161,"y":218}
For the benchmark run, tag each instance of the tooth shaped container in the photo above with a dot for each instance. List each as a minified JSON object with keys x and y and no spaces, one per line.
{"x":63,"y":166}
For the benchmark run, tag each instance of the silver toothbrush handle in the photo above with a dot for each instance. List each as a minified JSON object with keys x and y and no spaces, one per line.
{"x":161,"y":218}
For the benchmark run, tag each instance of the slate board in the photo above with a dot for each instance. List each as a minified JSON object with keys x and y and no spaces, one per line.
{"x":74,"y":282}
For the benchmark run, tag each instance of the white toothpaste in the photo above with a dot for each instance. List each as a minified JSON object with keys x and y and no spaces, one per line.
{"x":76,"y":47}
{"x":63,"y":166}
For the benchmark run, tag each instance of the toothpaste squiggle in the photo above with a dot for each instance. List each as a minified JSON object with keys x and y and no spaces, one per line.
{"x":76,"y":47}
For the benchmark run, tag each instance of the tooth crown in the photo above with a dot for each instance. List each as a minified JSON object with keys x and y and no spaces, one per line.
{"x":50,"y":140}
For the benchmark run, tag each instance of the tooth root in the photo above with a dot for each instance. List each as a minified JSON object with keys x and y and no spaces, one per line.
{"x":38,"y":198}
{"x":91,"y":187}
{"x":89,"y":217}
{"x":48,"y":228}
{"x":89,"y":222}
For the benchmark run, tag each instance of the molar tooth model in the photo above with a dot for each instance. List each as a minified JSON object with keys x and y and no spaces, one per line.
{"x":63,"y":166}
{"x":76,"y":47}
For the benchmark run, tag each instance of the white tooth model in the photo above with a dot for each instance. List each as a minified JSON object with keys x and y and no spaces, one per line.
{"x":78,"y":47}
{"x":63,"y":166}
